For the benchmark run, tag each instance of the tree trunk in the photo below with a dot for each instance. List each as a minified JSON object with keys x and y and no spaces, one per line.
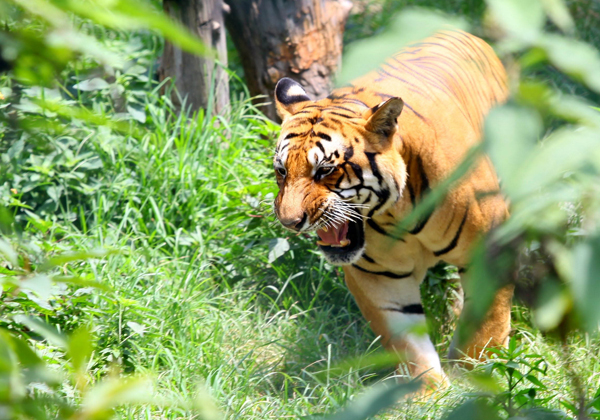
{"x":193,"y":75}
{"x":301,"y":39}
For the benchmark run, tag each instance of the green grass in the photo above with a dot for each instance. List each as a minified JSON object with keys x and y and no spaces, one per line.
{"x":194,"y":299}
{"x":180,"y":205}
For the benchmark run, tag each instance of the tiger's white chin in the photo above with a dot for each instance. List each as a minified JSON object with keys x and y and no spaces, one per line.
{"x":348,"y":258}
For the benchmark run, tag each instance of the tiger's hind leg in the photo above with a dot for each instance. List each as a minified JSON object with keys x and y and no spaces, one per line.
{"x":493,"y":332}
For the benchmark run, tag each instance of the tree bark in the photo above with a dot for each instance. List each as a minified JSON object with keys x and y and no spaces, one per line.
{"x":199,"y":80}
{"x":301,"y":39}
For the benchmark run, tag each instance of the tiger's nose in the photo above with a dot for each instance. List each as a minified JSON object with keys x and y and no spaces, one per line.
{"x":294,"y":223}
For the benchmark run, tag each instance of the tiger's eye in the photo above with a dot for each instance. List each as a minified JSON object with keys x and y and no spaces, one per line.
{"x":324,"y":171}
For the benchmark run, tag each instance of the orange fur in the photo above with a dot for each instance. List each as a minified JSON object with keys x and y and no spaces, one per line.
{"x":383,"y":143}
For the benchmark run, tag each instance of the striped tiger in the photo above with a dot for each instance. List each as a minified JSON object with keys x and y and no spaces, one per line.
{"x":352,"y":166}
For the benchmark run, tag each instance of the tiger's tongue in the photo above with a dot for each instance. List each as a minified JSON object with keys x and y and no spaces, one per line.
{"x":334,"y":235}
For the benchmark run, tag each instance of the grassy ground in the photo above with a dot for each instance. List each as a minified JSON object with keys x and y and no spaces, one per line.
{"x":205,"y":287}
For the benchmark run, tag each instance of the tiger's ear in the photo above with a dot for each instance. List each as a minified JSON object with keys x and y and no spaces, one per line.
{"x":289,"y":94}
{"x":383,"y":118}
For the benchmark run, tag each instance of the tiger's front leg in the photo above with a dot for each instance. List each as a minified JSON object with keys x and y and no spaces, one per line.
{"x":390,"y":305}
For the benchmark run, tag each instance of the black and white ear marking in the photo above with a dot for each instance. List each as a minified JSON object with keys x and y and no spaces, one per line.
{"x":383,"y":118}
{"x":288,"y":94}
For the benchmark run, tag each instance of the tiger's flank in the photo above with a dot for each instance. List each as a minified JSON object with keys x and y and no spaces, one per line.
{"x":352,"y":166}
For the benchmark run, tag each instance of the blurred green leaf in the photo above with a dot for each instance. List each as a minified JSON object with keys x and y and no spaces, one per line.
{"x":9,"y":253}
{"x":375,"y":399}
{"x":64,"y":36}
{"x":136,"y":14}
{"x":485,"y":382}
{"x":40,"y":327}
{"x":585,"y":282}
{"x":574,"y":109}
{"x":78,"y":281}
{"x":474,"y":410}
{"x":511,"y":133}
{"x":11,"y":381}
{"x":576,"y":58}
{"x":33,"y":367}
{"x":205,"y":406}
{"x":87,"y":115}
{"x":566,"y":149}
{"x":522,"y":20}
{"x":40,"y":284}
{"x":491,"y":267}
{"x":77,"y":256}
{"x":79,"y":348}
{"x":378,"y":360}
{"x":558,"y":12}
{"x":99,"y":402}
{"x":553,"y":303}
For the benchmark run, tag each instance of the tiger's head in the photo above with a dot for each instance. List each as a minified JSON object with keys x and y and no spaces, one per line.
{"x":337,"y":163}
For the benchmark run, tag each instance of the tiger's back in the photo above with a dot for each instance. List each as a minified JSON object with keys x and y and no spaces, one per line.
{"x":353,"y":165}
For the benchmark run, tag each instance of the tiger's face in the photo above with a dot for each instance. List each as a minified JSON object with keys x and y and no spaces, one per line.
{"x":337,"y":163}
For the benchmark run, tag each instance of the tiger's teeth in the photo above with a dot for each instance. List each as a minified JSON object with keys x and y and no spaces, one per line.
{"x":345,"y":242}
{"x":322,"y":243}
{"x":325,"y":229}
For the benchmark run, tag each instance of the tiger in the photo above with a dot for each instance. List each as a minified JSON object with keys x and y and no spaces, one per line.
{"x":353,"y":165}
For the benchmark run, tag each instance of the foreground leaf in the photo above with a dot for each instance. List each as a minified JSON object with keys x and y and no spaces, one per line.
{"x":375,"y":399}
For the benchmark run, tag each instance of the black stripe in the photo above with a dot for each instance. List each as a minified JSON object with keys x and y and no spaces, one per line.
{"x":379,"y":229}
{"x":386,"y":96}
{"x":454,"y":242}
{"x":357,"y":171}
{"x":389,"y":274}
{"x":291,"y":135}
{"x":368,"y":259}
{"x":423,"y":190}
{"x":341,"y":107}
{"x":341,"y":178}
{"x":324,"y":136}
{"x":334,"y":96}
{"x":355,"y":101}
{"x":339,"y":114}
{"x":320,"y":146}
{"x":383,"y":196}
{"x":424,"y":180}
{"x":420,"y":225}
{"x":415,"y":112}
{"x":413,"y":308}
{"x":374,"y":168}
{"x":336,"y":122}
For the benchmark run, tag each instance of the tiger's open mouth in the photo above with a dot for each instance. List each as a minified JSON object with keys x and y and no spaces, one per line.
{"x":342,"y":243}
